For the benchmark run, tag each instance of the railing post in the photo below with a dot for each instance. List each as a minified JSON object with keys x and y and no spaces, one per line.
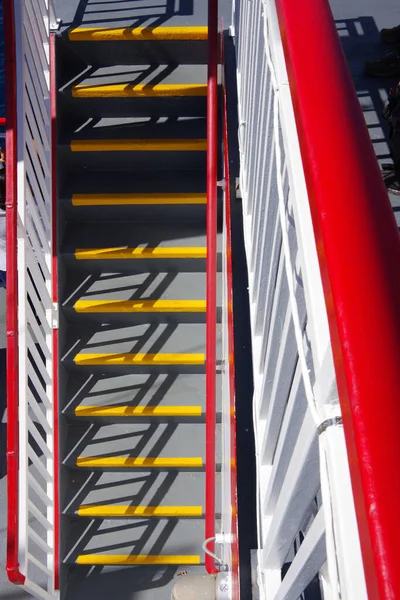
{"x":54,"y":23}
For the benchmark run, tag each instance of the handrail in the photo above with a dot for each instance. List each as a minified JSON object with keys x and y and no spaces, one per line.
{"x":359,"y":255}
{"x":2,"y":121}
{"x":211,"y":276}
{"x":12,"y":562}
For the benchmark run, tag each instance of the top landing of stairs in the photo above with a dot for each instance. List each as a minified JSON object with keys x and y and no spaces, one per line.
{"x":119,"y":14}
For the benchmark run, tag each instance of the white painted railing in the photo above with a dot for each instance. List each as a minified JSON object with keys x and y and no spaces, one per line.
{"x":37,"y":514}
{"x":307,"y":530}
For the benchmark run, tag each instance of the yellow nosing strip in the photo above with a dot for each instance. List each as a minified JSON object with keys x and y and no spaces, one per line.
{"x":137,"y":199}
{"x":142,"y":145}
{"x":95,"y":510}
{"x":93,"y":34}
{"x":140,"y":306}
{"x":139,"y":359}
{"x":137,"y":559}
{"x":138,"y":253}
{"x":138,"y":411}
{"x":139,"y":90}
{"x":139,"y":462}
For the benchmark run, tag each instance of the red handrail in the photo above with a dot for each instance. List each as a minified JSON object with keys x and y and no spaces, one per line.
{"x":2,"y":121}
{"x":12,"y":563}
{"x":359,"y":255}
{"x":211,"y":277}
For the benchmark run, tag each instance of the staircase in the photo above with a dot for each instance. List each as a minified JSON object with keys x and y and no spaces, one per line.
{"x":131,"y":177}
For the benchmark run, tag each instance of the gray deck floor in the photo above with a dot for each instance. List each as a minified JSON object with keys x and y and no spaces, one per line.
{"x":358,"y":21}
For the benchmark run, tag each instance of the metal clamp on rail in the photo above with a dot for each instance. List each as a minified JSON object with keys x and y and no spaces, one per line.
{"x":334,"y":421}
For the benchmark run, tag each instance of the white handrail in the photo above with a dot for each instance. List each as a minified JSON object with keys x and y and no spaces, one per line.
{"x":306,"y":526}
{"x":36,"y":534}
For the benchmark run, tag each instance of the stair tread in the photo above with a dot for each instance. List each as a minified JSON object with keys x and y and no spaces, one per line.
{"x":139,"y":128}
{"x":108,"y":286}
{"x":136,"y":441}
{"x":132,"y":235}
{"x":140,"y":488}
{"x":150,"y":74}
{"x":142,"y":306}
{"x":128,"y":510}
{"x":138,"y":33}
{"x":143,"y":338}
{"x":134,"y":390}
{"x":138,"y":182}
{"x":94,"y":411}
{"x":139,"y":462}
{"x":161,"y":537}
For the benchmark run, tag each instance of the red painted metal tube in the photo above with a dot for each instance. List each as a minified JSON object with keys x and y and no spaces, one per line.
{"x":359,"y":255}
{"x":53,"y":100}
{"x":211,"y":277}
{"x":12,"y":563}
{"x":2,"y":121}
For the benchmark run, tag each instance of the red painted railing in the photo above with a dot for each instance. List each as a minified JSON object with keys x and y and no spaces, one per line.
{"x":359,"y":254}
{"x":211,"y":280}
{"x":12,"y":563}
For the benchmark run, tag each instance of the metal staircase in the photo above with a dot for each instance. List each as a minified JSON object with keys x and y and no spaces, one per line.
{"x":131,"y":139}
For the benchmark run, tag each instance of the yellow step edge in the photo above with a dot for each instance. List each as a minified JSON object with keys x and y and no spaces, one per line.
{"x":95,"y":510}
{"x":139,"y":90}
{"x":137,"y":199}
{"x":94,"y":34}
{"x":138,"y":411}
{"x":139,"y":359}
{"x":142,"y":145}
{"x":138,"y":462}
{"x":138,"y":253}
{"x":137,"y":559}
{"x":140,"y":306}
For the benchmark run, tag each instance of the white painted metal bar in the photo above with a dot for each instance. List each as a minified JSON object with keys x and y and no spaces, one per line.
{"x":294,"y":382}
{"x":38,"y":515}
{"x":35,"y":305}
{"x":38,"y":489}
{"x":307,"y":562}
{"x":33,"y":430}
{"x":35,"y":537}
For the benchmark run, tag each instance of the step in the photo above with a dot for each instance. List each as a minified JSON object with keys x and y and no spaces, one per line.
{"x":110,"y":511}
{"x":144,"y":541}
{"x":158,"y":341}
{"x":141,"y":311}
{"x":165,"y":196}
{"x":153,"y":90}
{"x":139,"y":45}
{"x":139,"y":462}
{"x":141,"y":391}
{"x":140,"y":144}
{"x":135,"y":298}
{"x":135,"y":248}
{"x":116,"y":489}
{"x":140,"y":445}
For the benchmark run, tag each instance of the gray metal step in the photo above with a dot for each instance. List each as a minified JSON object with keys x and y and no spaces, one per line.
{"x":144,"y":583}
{"x":152,"y":90}
{"x":145,"y":338}
{"x":154,"y":537}
{"x":163,"y":196}
{"x":120,"y":247}
{"x":161,"y":391}
{"x":105,"y":445}
{"x":132,"y":52}
{"x":147,"y":488}
{"x":139,"y":298}
{"x":143,"y":144}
